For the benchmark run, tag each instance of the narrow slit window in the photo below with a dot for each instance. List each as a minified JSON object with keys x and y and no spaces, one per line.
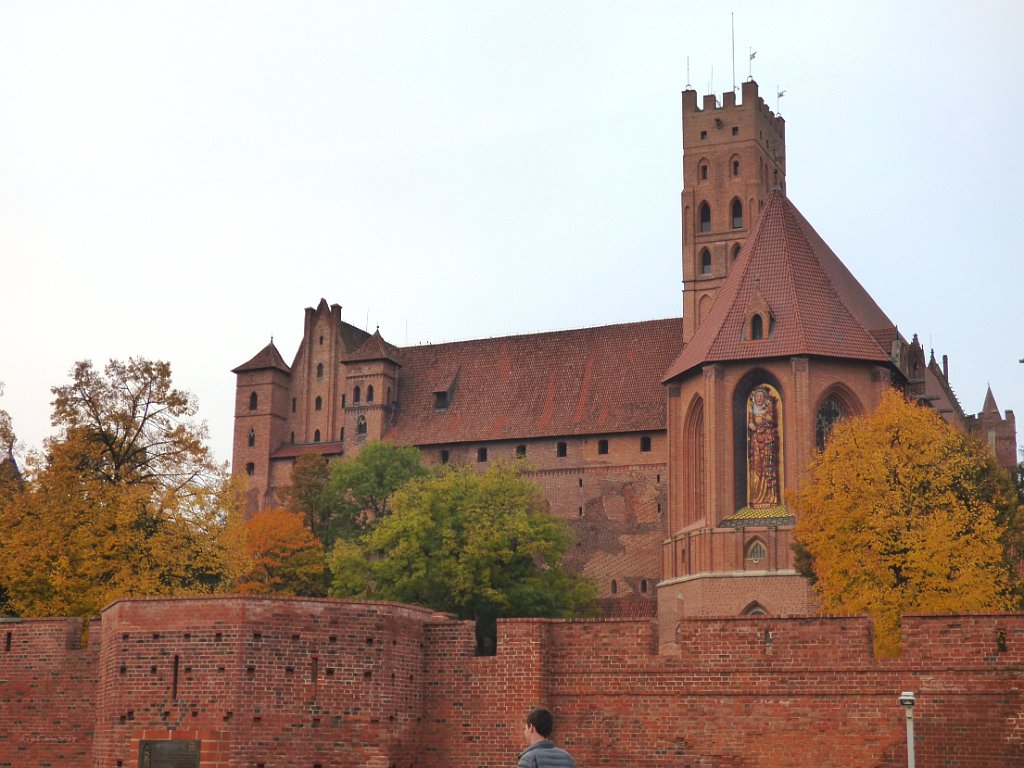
{"x":705,"y":217}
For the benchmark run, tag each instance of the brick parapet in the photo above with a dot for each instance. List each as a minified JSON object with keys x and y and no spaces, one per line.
{"x":276,"y":682}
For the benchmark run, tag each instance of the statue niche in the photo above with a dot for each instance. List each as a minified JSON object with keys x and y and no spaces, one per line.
{"x":764,"y":447}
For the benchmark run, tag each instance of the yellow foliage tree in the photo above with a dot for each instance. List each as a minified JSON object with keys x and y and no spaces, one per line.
{"x":900,"y":515}
{"x":285,"y":557}
{"x":126,"y":502}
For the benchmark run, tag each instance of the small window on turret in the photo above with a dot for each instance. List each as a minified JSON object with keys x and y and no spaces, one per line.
{"x":369,"y":393}
{"x":319,"y":403}
{"x":356,"y":394}
{"x":250,"y":469}
{"x":253,"y":400}
{"x":293,"y":405}
{"x":361,"y":426}
{"x":703,"y":171}
{"x":319,"y":370}
{"x":316,"y":436}
{"x":735,"y":167}
{"x":252,"y":437}
{"x":705,"y":262}
{"x":705,"y":217}
{"x":737,"y":214}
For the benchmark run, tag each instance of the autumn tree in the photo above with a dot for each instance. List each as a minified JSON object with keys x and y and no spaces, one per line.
{"x":901,"y":514}
{"x":285,"y":557}
{"x":305,"y":495}
{"x":127,"y":499}
{"x":481,"y":546}
{"x":359,"y":490}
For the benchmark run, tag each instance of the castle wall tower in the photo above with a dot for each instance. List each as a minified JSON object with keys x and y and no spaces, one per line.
{"x":318,"y":379}
{"x":261,"y":419}
{"x":371,"y":390}
{"x":733,"y":155}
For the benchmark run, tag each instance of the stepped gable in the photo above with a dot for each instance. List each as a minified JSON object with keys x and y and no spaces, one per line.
{"x":584,"y":381}
{"x":375,"y":348}
{"x":268,"y":357}
{"x":816,"y":304}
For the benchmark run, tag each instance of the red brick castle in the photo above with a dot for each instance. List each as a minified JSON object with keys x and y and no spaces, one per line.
{"x":667,"y":444}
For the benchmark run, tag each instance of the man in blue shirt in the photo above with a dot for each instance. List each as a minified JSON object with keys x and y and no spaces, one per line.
{"x":541,"y":752}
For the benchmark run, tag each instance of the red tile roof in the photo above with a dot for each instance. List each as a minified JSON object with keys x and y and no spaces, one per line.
{"x":268,"y":357}
{"x":375,"y":348}
{"x":817,"y":305}
{"x":577,"y":382}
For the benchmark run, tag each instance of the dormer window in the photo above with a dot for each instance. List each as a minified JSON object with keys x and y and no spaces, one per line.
{"x":441,"y":401}
{"x":756,"y":327}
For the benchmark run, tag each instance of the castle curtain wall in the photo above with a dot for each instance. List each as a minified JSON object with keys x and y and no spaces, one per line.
{"x":307,"y":682}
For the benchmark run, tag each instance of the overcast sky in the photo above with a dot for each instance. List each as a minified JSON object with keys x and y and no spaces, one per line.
{"x":180,"y":180}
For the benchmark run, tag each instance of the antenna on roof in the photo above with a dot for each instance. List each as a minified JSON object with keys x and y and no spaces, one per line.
{"x":687,"y":73}
{"x":732,"y":21}
{"x":750,"y":63}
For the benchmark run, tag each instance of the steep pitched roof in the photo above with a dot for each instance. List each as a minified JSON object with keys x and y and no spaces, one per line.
{"x":375,"y":348}
{"x":268,"y":357}
{"x":817,"y":305}
{"x":990,"y":404}
{"x":577,"y":382}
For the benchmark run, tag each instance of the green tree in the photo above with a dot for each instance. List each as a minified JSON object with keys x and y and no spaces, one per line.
{"x":306,"y":496}
{"x":126,"y":501}
{"x":481,"y":546}
{"x":285,"y":557}
{"x":359,"y":491}
{"x":901,"y":514}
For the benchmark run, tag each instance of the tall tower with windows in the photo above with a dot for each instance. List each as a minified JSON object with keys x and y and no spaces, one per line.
{"x":733,"y":156}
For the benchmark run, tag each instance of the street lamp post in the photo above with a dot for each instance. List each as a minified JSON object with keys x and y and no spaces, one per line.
{"x":907,"y":701}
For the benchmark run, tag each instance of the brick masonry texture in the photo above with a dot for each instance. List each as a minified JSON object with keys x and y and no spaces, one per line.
{"x":304,"y":682}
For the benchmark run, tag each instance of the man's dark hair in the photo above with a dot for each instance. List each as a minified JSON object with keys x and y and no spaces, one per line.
{"x":542,"y":720}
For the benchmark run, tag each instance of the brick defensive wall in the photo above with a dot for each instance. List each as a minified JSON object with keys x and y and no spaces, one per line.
{"x":307,"y":683}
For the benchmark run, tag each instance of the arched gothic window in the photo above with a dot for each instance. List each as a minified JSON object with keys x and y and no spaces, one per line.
{"x":737,"y":214}
{"x":361,"y":426}
{"x":356,"y":395}
{"x":705,"y":217}
{"x":369,"y":393}
{"x":252,"y":437}
{"x":319,"y":404}
{"x":319,"y":370}
{"x":705,"y":262}
{"x":316,"y":436}
{"x":756,"y":551}
{"x":253,"y":400}
{"x":829,"y":413}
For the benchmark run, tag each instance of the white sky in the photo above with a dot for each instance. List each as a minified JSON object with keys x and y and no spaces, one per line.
{"x":178,"y":180}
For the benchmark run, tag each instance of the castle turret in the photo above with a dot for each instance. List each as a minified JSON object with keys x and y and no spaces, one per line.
{"x":733,"y":155}
{"x":261,"y":420}
{"x":371,"y":390}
